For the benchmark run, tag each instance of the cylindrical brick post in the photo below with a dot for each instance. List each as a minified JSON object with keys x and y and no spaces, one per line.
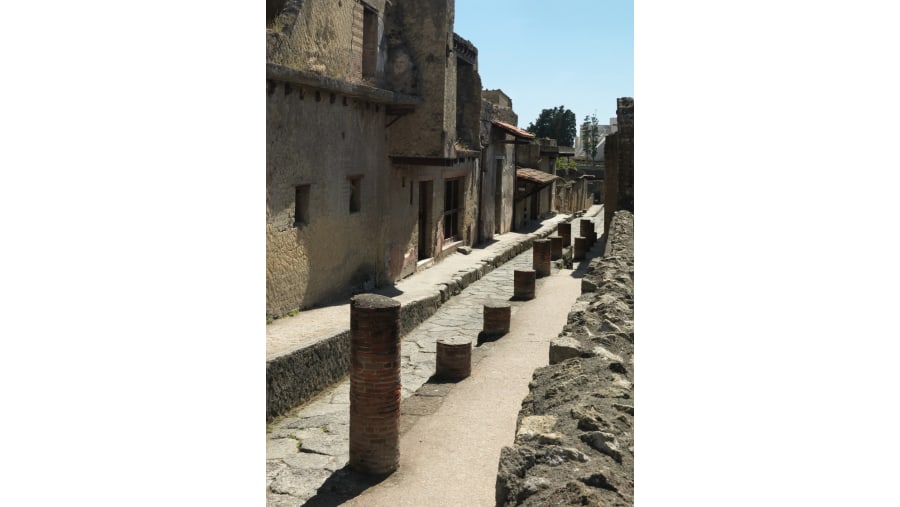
{"x":496,"y":318}
{"x":523,"y":284}
{"x":541,"y":257}
{"x":454,"y":358}
{"x":587,"y":231}
{"x":374,"y":384}
{"x":580,"y":248}
{"x":565,"y":232}
{"x":555,"y":248}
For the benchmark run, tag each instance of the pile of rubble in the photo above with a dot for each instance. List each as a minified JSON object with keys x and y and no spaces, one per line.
{"x":575,"y":434}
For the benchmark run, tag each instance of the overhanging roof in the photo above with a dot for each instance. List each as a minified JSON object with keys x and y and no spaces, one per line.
{"x":512,"y":129}
{"x":535,"y":176}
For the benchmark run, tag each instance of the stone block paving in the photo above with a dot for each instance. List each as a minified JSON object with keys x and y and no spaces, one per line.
{"x":307,"y":447}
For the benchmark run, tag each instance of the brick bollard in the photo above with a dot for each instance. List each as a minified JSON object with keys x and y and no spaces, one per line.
{"x":580,"y":248}
{"x":555,"y":247}
{"x":374,"y":384}
{"x":565,"y":232}
{"x":454,"y":358}
{"x":523,"y":284}
{"x":496,"y":318}
{"x":587,"y":231}
{"x":541,"y":257}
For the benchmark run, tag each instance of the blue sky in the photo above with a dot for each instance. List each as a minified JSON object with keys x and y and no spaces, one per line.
{"x":576,"y":53}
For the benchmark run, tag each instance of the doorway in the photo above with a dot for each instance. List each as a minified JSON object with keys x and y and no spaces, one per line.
{"x":425,"y":242}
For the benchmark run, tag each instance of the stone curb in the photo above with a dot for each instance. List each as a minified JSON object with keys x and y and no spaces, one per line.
{"x":295,"y":378}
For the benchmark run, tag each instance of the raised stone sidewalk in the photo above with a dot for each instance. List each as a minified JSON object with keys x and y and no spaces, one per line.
{"x":309,"y":352}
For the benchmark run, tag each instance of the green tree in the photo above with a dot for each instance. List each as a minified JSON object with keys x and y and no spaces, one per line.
{"x":590,"y":135}
{"x":557,"y":123}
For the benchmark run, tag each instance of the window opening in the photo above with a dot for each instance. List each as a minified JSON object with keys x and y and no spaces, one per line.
{"x":355,"y":198}
{"x":301,"y":205}
{"x":370,"y":42}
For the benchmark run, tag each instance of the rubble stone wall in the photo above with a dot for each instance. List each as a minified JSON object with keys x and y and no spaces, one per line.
{"x":574,"y":442}
{"x":619,"y":159}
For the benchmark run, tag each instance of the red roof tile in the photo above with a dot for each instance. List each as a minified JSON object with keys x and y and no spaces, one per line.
{"x":512,"y":129}
{"x":535,"y":175}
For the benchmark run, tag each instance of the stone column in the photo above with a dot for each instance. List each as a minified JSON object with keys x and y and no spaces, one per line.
{"x":454,"y":359}
{"x":523,"y":284}
{"x":565,"y":232}
{"x":555,"y":247}
{"x":374,"y":384}
{"x":580,"y":248}
{"x":587,"y":231}
{"x":541,"y":256}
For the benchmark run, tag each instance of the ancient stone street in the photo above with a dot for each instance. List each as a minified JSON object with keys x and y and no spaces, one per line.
{"x":307,"y":450}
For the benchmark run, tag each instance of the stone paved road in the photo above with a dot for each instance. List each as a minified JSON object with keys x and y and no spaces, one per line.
{"x":311,"y":445}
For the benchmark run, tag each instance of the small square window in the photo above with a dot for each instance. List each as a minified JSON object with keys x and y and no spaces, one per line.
{"x":355,"y":189}
{"x":301,"y":205}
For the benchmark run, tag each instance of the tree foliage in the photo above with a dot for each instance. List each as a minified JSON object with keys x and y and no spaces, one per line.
{"x":590,"y":135}
{"x":565,"y":164}
{"x":556,"y":123}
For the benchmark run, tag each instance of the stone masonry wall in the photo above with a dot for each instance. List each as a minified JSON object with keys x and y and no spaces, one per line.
{"x":425,"y":29}
{"x":574,"y":442}
{"x":323,"y":36}
{"x":294,"y":378}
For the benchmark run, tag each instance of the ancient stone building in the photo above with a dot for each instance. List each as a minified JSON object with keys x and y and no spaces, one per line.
{"x":373,"y":145}
{"x":535,"y":180}
{"x":501,"y":139}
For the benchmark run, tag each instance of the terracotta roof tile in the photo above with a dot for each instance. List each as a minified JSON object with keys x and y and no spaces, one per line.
{"x":512,"y":129}
{"x":535,"y":175}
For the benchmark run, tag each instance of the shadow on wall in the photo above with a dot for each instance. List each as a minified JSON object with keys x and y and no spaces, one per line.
{"x":330,"y":287}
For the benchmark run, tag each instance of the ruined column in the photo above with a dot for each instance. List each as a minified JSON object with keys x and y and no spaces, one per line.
{"x":374,"y":384}
{"x":565,"y":232}
{"x":523,"y":284}
{"x":496,"y":318}
{"x":454,"y":358}
{"x":541,"y":256}
{"x":555,"y":248}
{"x":580,"y":248}
{"x":587,"y":231}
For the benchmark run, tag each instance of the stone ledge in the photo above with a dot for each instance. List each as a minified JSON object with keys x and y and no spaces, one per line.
{"x":277,"y":72}
{"x":296,"y":377}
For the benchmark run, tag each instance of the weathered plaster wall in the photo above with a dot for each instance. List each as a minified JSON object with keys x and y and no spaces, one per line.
{"x":320,"y":142}
{"x":321,"y":38}
{"x":497,"y":200}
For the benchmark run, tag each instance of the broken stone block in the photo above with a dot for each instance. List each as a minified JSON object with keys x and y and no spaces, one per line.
{"x":564,"y":347}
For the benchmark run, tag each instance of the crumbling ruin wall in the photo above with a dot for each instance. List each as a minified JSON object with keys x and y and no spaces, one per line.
{"x":425,"y":30}
{"x":575,"y":433}
{"x":619,"y":154}
{"x":572,"y":195}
